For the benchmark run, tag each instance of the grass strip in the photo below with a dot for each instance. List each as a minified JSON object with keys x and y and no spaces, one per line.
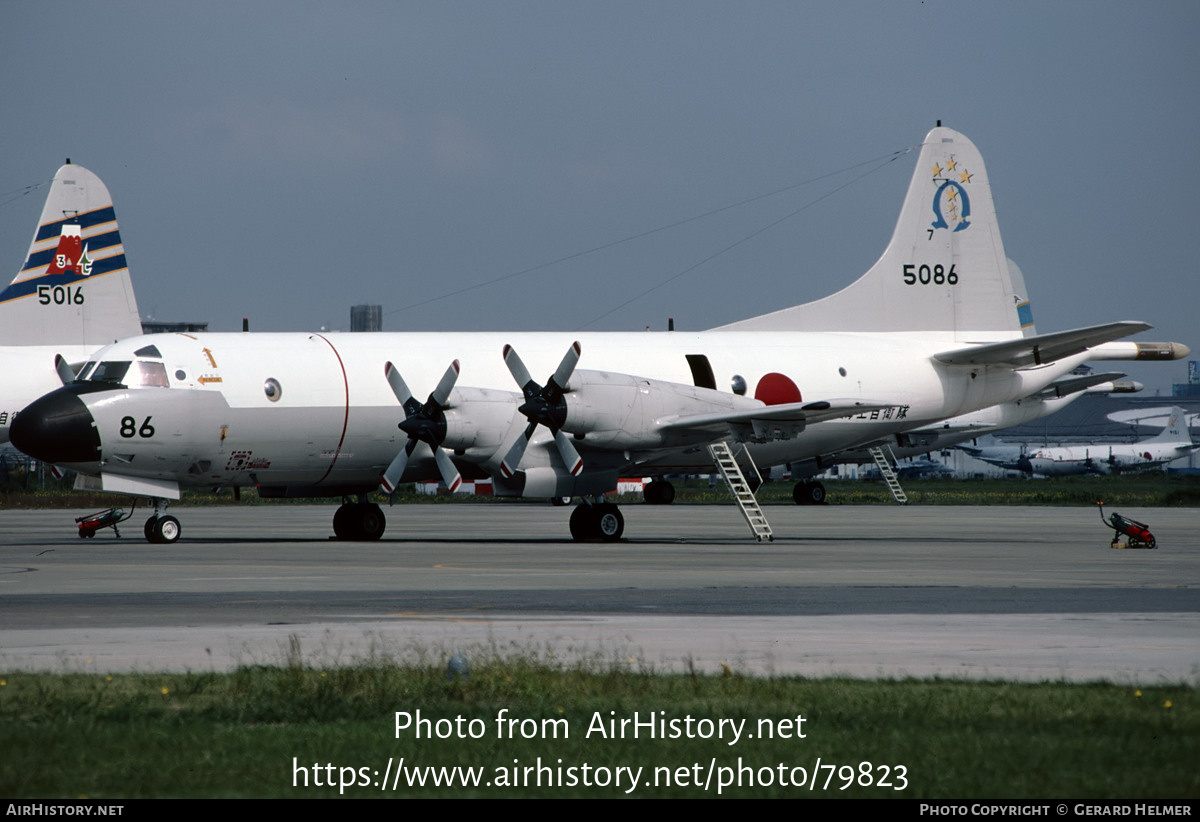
{"x":300,"y":732}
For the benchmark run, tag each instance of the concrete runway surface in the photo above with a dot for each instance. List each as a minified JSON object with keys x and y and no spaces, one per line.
{"x":865,"y":591}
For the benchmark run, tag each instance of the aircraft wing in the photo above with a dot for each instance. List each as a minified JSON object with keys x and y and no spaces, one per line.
{"x":796,"y":413}
{"x":1042,"y":348}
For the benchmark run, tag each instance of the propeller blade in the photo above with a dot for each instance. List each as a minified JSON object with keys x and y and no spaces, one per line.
{"x":395,"y":470}
{"x":64,"y":370}
{"x":445,"y":465}
{"x":442,"y":392}
{"x":399,"y":387}
{"x":512,"y":460}
{"x":567,"y":366}
{"x":520,"y":373}
{"x":570,"y":456}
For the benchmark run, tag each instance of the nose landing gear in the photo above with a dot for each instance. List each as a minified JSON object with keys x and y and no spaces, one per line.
{"x":161,"y":529}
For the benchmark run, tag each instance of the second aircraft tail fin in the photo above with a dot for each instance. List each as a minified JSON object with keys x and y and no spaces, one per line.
{"x":1177,"y":430}
{"x":74,"y":286}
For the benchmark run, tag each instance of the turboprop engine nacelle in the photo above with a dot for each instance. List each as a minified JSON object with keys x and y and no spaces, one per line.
{"x":479,"y":421}
{"x":621,"y":411}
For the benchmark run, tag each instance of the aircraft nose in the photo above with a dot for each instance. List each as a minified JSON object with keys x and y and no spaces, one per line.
{"x":57,"y":428}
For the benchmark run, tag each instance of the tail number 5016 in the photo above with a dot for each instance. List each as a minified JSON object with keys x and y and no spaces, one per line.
{"x":60,"y":294}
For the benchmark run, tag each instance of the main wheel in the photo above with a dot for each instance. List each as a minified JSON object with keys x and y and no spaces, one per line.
{"x":582,"y":519}
{"x":166,"y":530}
{"x":359,"y":522}
{"x":342,"y":522}
{"x":816,"y":493}
{"x":610,"y":523}
{"x":371,"y":521}
{"x":658,"y":492}
{"x":149,"y":529}
{"x":809,"y":493}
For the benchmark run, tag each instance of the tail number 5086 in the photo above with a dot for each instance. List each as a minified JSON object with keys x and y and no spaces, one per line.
{"x":929,"y":274}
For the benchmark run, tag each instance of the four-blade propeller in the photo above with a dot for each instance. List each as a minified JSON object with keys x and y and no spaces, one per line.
{"x":423,"y":423}
{"x":544,"y":405}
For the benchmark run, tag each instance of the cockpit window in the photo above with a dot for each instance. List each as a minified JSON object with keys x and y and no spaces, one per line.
{"x":110,"y":372}
{"x":144,"y":374}
{"x":152,"y":374}
{"x":87,"y":369}
{"x":148,"y":351}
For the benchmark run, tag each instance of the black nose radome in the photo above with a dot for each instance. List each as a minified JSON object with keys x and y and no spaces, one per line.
{"x":58,"y":428}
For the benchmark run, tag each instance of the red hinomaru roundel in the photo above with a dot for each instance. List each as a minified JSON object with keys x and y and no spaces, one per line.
{"x":776,"y":389}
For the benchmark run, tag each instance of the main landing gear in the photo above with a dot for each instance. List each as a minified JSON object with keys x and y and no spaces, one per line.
{"x":359,"y":521}
{"x":658,"y":492}
{"x":809,"y":493}
{"x":161,"y":529}
{"x":597,"y":522}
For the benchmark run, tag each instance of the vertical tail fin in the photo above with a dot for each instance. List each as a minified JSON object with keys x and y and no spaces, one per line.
{"x":1177,"y":429}
{"x":74,"y":288}
{"x":944,"y":270}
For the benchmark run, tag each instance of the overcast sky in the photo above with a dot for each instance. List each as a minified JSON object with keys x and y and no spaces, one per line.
{"x":283,"y":161}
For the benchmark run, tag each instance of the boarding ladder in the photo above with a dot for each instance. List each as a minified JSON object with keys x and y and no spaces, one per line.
{"x":889,"y":473}
{"x":722,"y":455}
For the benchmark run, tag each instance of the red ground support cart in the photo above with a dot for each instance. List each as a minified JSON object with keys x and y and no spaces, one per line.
{"x":108,"y":518}
{"x":1138,"y":532}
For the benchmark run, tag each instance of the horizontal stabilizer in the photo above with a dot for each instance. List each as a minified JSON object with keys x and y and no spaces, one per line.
{"x":1041,"y":349}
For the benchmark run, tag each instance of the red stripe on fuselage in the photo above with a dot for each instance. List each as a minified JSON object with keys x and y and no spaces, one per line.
{"x":345,"y":417}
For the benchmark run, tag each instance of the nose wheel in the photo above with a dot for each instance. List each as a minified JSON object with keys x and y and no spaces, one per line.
{"x":162,"y":530}
{"x":597,"y":523}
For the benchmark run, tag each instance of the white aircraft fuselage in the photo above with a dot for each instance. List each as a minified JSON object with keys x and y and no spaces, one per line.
{"x":332,"y":419}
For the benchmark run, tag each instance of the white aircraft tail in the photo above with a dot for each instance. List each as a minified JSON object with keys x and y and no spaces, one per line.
{"x":1177,"y":429}
{"x":944,"y":270}
{"x":74,"y":288}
